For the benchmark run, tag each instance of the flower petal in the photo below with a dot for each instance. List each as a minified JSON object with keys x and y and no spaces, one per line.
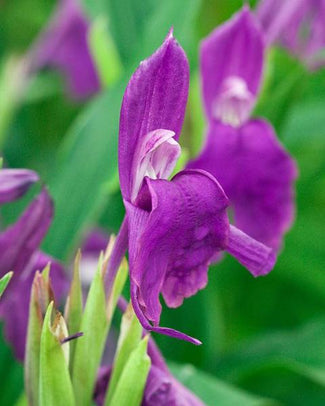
{"x":231,"y":59}
{"x":175,"y":230}
{"x":14,"y":183}
{"x":155,"y":157}
{"x":155,"y":98}
{"x":63,"y":45}
{"x":19,"y":242}
{"x":163,"y":389}
{"x":257,"y":175}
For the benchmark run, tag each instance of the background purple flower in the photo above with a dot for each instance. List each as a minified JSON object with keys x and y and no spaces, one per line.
{"x":64,"y":45}
{"x":297,"y":25}
{"x":19,"y":252}
{"x":244,"y":155}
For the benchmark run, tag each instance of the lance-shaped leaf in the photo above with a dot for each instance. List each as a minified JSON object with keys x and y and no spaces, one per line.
{"x":4,"y":282}
{"x":73,"y":308}
{"x":118,"y":285}
{"x":134,"y":376}
{"x":88,"y":351}
{"x":129,"y":339}
{"x":104,"y":52}
{"x":41,"y":294}
{"x":95,"y":325}
{"x":55,"y":385}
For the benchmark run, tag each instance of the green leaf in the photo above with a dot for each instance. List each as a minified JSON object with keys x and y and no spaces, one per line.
{"x":129,"y":339}
{"x":130,"y":386}
{"x":39,"y":300}
{"x":4,"y":282}
{"x":95,"y":325}
{"x":291,"y":356}
{"x":73,"y":308}
{"x":127,"y":19}
{"x":104,"y":52}
{"x":11,"y":373}
{"x":90,"y":347}
{"x":88,"y":163}
{"x":118,"y":286}
{"x":213,"y":391}
{"x":55,"y":384}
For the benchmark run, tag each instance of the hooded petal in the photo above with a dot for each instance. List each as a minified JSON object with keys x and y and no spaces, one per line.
{"x":14,"y":306}
{"x":14,"y":183}
{"x":155,"y":99}
{"x":19,"y":242}
{"x":174,"y":231}
{"x":257,"y":174}
{"x":231,"y":61}
{"x":63,"y":45}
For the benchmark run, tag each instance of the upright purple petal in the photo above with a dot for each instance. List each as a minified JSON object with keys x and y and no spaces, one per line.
{"x":14,"y":306}
{"x":256,"y":173}
{"x":14,"y":183}
{"x":231,"y":60}
{"x":155,"y":99}
{"x":64,"y":45}
{"x":19,"y":242}
{"x":175,"y":229}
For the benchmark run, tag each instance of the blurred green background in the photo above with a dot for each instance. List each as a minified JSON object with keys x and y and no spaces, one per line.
{"x":262,"y":338}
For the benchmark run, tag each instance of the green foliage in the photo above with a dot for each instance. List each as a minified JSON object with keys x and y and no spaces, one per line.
{"x":73,"y":308}
{"x":213,"y":391}
{"x":4,"y":282}
{"x":54,"y":380}
{"x":129,"y":339}
{"x":130,"y":387}
{"x":89,"y":349}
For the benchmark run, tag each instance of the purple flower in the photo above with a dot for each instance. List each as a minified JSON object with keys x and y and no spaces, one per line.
{"x":64,"y":46}
{"x":175,"y":228}
{"x":14,"y":183}
{"x":244,"y":155}
{"x":298,"y":25}
{"x":19,"y":252}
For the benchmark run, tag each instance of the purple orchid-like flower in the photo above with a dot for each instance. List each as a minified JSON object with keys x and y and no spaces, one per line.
{"x":244,"y":154}
{"x":297,"y":25}
{"x":19,"y":252}
{"x":64,"y":45}
{"x":175,"y":228}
